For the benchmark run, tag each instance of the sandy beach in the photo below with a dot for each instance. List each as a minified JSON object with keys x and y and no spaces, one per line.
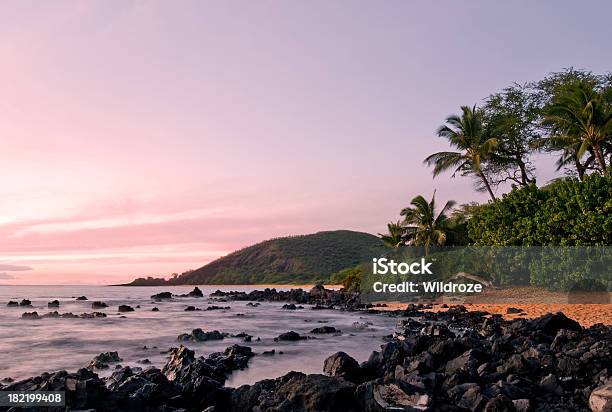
{"x":532,"y":302}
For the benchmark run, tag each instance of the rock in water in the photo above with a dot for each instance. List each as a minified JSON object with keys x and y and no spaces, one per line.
{"x":341,"y":365}
{"x":290,"y":336}
{"x":199,"y":335}
{"x":180,"y":358}
{"x":81,"y":298}
{"x":162,"y":295}
{"x":53,"y":304}
{"x":98,"y":305}
{"x":125,"y":308}
{"x":92,"y":315}
{"x":30,"y":315}
{"x":196,"y":293}
{"x":325,"y":329}
{"x":102,"y":360}
{"x":215,"y":307}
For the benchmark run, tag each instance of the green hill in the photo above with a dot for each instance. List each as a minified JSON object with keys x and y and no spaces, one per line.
{"x":292,"y":259}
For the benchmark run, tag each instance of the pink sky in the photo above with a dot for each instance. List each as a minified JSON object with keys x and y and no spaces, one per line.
{"x":145,"y":138}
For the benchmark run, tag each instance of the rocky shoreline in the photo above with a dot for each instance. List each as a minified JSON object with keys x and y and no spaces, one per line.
{"x":440,"y":361}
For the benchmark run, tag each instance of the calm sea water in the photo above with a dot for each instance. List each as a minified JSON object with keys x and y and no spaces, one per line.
{"x":30,"y":347}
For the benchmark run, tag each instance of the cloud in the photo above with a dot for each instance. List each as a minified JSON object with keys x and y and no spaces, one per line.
{"x":14,"y":268}
{"x":6,"y":276}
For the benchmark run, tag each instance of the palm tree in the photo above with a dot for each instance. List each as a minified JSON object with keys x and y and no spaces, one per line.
{"x":422,"y":226}
{"x":395,"y":237}
{"x":569,"y":153}
{"x":581,"y":121}
{"x":465,"y":133}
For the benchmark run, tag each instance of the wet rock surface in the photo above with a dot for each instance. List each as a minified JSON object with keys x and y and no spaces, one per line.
{"x":102,"y":360}
{"x":198,"y":335}
{"x":30,"y":315}
{"x":55,"y":314}
{"x":215,"y":307}
{"x":162,"y":295}
{"x":289,"y":336}
{"x":318,"y":295}
{"x":295,"y":392}
{"x":195,"y":293}
{"x":458,"y":361}
{"x":185,"y":383}
{"x":325,"y":329}
{"x":98,"y":305}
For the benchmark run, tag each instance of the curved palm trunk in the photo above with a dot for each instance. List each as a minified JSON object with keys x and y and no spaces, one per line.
{"x":579,"y":168}
{"x":525,"y":179}
{"x":487,"y":185}
{"x":600,"y":159}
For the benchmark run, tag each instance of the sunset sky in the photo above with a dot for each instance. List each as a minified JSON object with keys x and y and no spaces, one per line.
{"x":145,"y":138}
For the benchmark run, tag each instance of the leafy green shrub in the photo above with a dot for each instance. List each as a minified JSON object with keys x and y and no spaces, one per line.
{"x":567,"y":213}
{"x":350,"y":278}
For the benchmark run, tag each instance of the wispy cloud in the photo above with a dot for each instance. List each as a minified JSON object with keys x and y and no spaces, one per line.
{"x":13,"y":268}
{"x":6,"y":276}
{"x":121,"y":221}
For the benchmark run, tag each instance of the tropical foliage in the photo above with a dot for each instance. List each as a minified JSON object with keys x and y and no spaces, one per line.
{"x":395,"y":236}
{"x":421,"y":225}
{"x":568,"y":114}
{"x":350,"y":278}
{"x":580,"y":118}
{"x":567,"y":212}
{"x":467,"y":134}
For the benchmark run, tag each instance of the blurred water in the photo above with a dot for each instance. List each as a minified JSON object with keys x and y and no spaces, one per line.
{"x":30,"y":347}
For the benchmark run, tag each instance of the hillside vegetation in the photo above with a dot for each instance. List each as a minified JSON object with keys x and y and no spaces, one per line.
{"x":294,"y":259}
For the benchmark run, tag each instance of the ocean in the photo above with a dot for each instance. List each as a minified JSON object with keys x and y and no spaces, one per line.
{"x":30,"y":347}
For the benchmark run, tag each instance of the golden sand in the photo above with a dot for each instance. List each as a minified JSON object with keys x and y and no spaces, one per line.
{"x":533,"y":302}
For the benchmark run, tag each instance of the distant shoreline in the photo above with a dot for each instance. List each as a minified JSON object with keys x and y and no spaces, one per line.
{"x":242,"y":285}
{"x":264,"y":285}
